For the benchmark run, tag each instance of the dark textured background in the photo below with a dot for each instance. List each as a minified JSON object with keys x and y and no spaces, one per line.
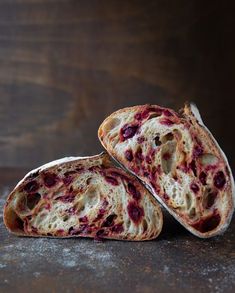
{"x":65,"y":65}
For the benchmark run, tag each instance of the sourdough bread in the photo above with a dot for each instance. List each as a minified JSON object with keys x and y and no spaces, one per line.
{"x":178,"y":160}
{"x":82,"y":197}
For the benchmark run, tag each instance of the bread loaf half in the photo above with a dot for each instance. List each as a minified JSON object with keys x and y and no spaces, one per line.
{"x":82,"y":197}
{"x":178,"y":160}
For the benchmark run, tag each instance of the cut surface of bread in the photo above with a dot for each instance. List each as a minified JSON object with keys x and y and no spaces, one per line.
{"x":178,"y":160}
{"x":86,"y":197}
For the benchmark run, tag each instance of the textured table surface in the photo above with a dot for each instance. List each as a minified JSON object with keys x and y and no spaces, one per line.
{"x":175,"y":262}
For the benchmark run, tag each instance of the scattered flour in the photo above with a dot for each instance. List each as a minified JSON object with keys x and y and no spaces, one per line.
{"x":51,"y":252}
{"x":80,"y":254}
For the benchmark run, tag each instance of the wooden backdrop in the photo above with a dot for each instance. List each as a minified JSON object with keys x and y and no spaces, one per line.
{"x":66,"y":64}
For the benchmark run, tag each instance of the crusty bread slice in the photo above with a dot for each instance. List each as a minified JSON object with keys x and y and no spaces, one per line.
{"x":86,"y":197}
{"x":178,"y":160}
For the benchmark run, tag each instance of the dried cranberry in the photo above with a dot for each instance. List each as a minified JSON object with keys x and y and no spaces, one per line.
{"x":128,"y":131}
{"x":145,"y":114}
{"x":50,"y":179}
{"x":48,"y":206}
{"x":84,"y":228}
{"x":151,"y":112}
{"x":111,"y":180}
{"x":135,"y":212}
{"x":184,"y":167}
{"x":115,"y":174}
{"x":202,"y":178}
{"x":71,"y":210}
{"x":138,"y":156}
{"x":60,"y":231}
{"x":31,"y":186}
{"x":198,"y":151}
{"x":148,"y":160}
{"x":129,"y":155}
{"x":166,"y":156}
{"x":167,"y":113}
{"x":219,"y":180}
{"x":207,"y":224}
{"x":83,"y":219}
{"x":194,"y":187}
{"x":140,"y":139}
{"x":67,"y":180}
{"x":166,"y":196}
{"x":166,"y":121}
{"x":135,"y":193}
{"x":34,"y":229}
{"x":100,"y":215}
{"x":137,"y":116}
{"x":105,"y":203}
{"x":118,"y":228}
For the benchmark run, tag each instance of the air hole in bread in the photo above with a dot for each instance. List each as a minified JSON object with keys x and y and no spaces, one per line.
{"x":88,"y":181}
{"x":19,"y":223}
{"x":79,"y":207}
{"x":192,"y":213}
{"x":15,"y":222}
{"x":177,"y":134}
{"x":174,"y":192}
{"x":91,"y":196}
{"x":209,"y":198}
{"x":167,"y":137}
{"x":128,"y":223}
{"x":145,"y":225}
{"x":188,"y":199}
{"x":167,"y":156}
{"x":109,"y":220}
{"x":154,"y":115}
{"x":65,"y":218}
{"x":157,"y":141}
{"x":32,"y":200}
{"x":208,"y":159}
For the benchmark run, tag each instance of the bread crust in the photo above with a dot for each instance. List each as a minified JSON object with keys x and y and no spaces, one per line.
{"x":109,"y":198}
{"x":112,"y":139}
